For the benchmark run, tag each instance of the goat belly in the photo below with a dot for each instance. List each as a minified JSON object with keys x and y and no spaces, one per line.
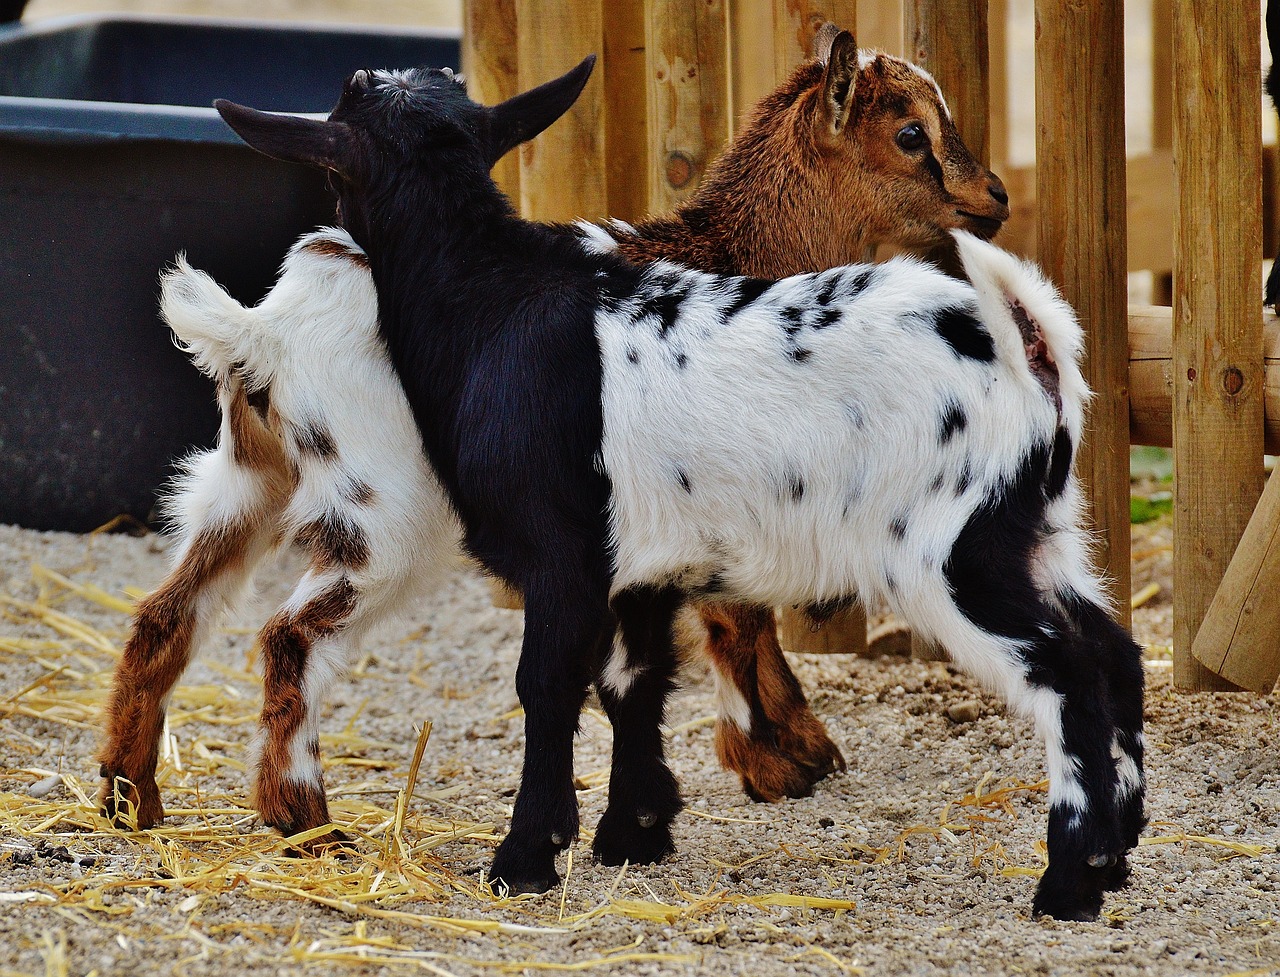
{"x":805,"y":440}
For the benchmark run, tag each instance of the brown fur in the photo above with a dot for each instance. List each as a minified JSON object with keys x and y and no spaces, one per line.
{"x":333,"y":542}
{"x":813,"y":181}
{"x":787,"y":750}
{"x":334,"y":249}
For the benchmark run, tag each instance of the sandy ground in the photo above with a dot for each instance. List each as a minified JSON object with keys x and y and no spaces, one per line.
{"x":906,"y":896}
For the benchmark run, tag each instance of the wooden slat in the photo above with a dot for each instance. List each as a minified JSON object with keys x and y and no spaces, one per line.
{"x":489,"y":65}
{"x":880,"y":26}
{"x":1080,"y":168}
{"x":750,"y":54}
{"x":795,"y":22}
{"x":686,"y":52}
{"x":948,"y":38}
{"x":1239,"y":640}
{"x":625,"y":76}
{"x":562,"y":172}
{"x":998,"y":84}
{"x":1217,"y":318}
{"x":1151,"y":377}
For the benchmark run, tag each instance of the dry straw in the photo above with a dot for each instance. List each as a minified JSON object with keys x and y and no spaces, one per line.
{"x":212,"y":847}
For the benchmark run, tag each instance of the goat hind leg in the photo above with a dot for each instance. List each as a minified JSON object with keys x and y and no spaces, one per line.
{"x":1121,"y":660}
{"x":168,"y":627}
{"x":305,"y":645}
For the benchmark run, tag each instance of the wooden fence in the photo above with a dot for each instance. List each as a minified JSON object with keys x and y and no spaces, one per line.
{"x":675,"y":76}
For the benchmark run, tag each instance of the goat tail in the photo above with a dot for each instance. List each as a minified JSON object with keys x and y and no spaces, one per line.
{"x":220,"y":335}
{"x":1029,"y":320}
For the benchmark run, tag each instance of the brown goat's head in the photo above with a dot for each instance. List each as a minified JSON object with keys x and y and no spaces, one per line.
{"x":900,"y":164}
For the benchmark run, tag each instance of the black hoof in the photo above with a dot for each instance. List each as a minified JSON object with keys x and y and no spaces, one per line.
{"x":518,"y":870}
{"x":1073,"y":893}
{"x":641,"y":838}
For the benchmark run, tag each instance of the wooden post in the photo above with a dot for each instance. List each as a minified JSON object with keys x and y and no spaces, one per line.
{"x":880,"y":26}
{"x":1162,"y":118}
{"x":998,"y":84}
{"x":1080,"y":202}
{"x":948,"y":38}
{"x":562,"y":172}
{"x":626,"y":78}
{"x":795,"y":22}
{"x":1239,"y":640}
{"x":489,"y":65}
{"x":686,"y":52}
{"x":1217,"y":317}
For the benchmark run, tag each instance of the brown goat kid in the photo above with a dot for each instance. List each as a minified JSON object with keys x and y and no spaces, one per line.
{"x":854,"y":150}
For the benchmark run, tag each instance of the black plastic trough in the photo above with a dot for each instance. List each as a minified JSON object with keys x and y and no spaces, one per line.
{"x":111,"y":161}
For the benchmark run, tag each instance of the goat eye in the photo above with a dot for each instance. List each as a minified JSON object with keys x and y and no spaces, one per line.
{"x":912,"y":137}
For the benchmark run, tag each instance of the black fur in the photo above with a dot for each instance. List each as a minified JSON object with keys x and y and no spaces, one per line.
{"x":965,"y":334}
{"x":749,"y":289}
{"x":953,"y":421}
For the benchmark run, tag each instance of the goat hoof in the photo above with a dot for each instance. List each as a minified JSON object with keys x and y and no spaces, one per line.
{"x":628,"y":838}
{"x":1073,"y":893}
{"x":129,"y":805}
{"x":516,"y":872}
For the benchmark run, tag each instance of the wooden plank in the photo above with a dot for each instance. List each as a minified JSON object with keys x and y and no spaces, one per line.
{"x":686,"y":51}
{"x":1161,"y":74}
{"x":750,"y":54}
{"x":880,"y":26}
{"x":625,"y":75}
{"x":1239,"y":640}
{"x":795,"y":22}
{"x":948,"y":38}
{"x":998,"y":84}
{"x":489,"y":65}
{"x":1080,"y":175}
{"x":562,"y":172}
{"x":1151,"y":377}
{"x":1217,"y":318}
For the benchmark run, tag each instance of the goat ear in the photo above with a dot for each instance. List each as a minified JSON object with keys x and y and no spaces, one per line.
{"x":315,"y":142}
{"x":838,"y":82}
{"x":521,"y":118}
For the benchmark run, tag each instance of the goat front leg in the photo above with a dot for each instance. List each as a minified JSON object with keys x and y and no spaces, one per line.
{"x":563,"y":638}
{"x":634,"y":685}
{"x":225,"y":542}
{"x":765,"y":730}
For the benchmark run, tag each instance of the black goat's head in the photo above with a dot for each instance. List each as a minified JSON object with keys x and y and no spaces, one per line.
{"x":387,"y":122}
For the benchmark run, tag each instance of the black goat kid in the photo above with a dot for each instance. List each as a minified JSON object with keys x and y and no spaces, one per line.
{"x":616,"y":438}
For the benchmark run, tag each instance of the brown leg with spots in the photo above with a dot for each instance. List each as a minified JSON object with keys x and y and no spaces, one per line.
{"x":786,"y":750}
{"x":167,"y":626}
{"x":302,"y":646}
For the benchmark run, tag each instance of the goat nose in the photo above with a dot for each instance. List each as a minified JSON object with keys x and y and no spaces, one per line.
{"x":998,"y":191}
